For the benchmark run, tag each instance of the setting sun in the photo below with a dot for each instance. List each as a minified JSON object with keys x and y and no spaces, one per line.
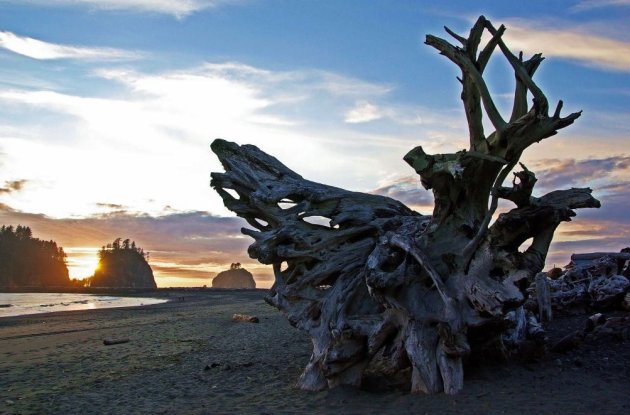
{"x":82,"y":262}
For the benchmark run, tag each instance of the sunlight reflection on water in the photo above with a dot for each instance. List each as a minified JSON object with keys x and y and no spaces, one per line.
{"x":35,"y":303}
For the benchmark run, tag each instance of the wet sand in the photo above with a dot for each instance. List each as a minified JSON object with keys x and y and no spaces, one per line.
{"x":188,"y":356}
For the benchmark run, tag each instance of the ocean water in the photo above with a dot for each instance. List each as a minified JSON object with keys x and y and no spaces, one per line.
{"x":35,"y":303}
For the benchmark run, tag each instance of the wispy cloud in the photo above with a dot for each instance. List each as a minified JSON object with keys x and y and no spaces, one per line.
{"x":408,"y":190}
{"x":563,"y":173}
{"x":38,"y":49}
{"x":160,"y":122}
{"x":588,"y":235}
{"x":309,"y":79}
{"x":12,"y":186}
{"x":177,"y":8}
{"x":116,"y":207}
{"x":586,"y":5}
{"x":363,"y":112}
{"x":569,"y":42}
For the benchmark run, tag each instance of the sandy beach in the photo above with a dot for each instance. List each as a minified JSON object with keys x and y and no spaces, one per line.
{"x":189,"y":356}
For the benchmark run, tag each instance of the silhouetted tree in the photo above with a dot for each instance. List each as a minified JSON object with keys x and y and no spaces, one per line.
{"x":28,"y":261}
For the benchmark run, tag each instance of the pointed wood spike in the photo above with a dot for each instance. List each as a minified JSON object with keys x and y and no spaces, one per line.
{"x":556,"y":113}
{"x":459,"y":38}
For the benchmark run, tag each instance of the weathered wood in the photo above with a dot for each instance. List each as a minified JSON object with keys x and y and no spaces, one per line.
{"x":421,"y":343}
{"x":112,"y":341}
{"x":543,"y":296}
{"x":245,"y":318}
{"x":568,"y":342}
{"x":595,"y":283}
{"x":382,"y":288}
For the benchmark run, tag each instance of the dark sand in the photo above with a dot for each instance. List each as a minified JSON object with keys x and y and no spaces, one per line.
{"x":190,"y":357}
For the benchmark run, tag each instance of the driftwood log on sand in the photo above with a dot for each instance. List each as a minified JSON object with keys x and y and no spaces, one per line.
{"x":381,"y":288}
{"x":245,"y":318}
{"x":113,"y":341}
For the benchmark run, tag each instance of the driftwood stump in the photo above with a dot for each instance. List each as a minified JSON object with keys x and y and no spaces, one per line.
{"x":381,"y":288}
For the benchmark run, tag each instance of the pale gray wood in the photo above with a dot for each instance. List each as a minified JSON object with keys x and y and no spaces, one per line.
{"x":382,"y":288}
{"x":543,"y":296}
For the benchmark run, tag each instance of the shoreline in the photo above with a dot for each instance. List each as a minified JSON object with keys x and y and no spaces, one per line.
{"x":101,"y":290}
{"x":188,"y":356}
{"x":17,"y":304}
{"x":164,"y":294}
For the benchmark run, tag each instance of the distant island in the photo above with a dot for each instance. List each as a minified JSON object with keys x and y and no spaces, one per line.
{"x":122,"y":265}
{"x":235,"y":277}
{"x":26,"y":261}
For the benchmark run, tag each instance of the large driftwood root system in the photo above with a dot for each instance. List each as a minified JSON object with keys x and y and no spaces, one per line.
{"x":381,"y":288}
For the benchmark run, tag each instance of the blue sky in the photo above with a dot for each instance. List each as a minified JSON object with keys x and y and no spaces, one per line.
{"x":108,"y":107}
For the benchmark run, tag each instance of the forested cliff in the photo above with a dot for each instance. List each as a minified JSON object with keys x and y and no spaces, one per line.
{"x":26,"y":261}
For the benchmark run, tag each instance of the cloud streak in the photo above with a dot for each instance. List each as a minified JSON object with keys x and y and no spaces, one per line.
{"x":568,"y":43}
{"x":587,"y":5}
{"x":154,"y":124}
{"x":12,"y":186}
{"x":363,"y":112}
{"x":40,"y":50}
{"x":177,"y":8}
{"x":563,"y":173}
{"x":407,"y":189}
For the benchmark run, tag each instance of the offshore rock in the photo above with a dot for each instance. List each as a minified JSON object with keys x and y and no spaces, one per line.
{"x":234,"y":278}
{"x":123,"y":268}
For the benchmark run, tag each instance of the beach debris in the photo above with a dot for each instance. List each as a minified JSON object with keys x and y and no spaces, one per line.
{"x":112,"y":341}
{"x":374,"y":283}
{"x":616,"y":327}
{"x":245,"y":318}
{"x":543,"y":295}
{"x":597,"y":326}
{"x":595,"y":281}
{"x":594,"y":321}
{"x":555,"y":273}
{"x":212,"y":366}
{"x":568,"y":342}
{"x":6,"y":305}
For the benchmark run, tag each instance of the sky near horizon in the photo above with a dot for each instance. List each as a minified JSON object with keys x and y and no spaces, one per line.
{"x":108,"y":108}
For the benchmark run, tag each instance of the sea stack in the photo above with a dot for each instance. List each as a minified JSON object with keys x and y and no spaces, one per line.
{"x":123,"y":266}
{"x":235,"y":277}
